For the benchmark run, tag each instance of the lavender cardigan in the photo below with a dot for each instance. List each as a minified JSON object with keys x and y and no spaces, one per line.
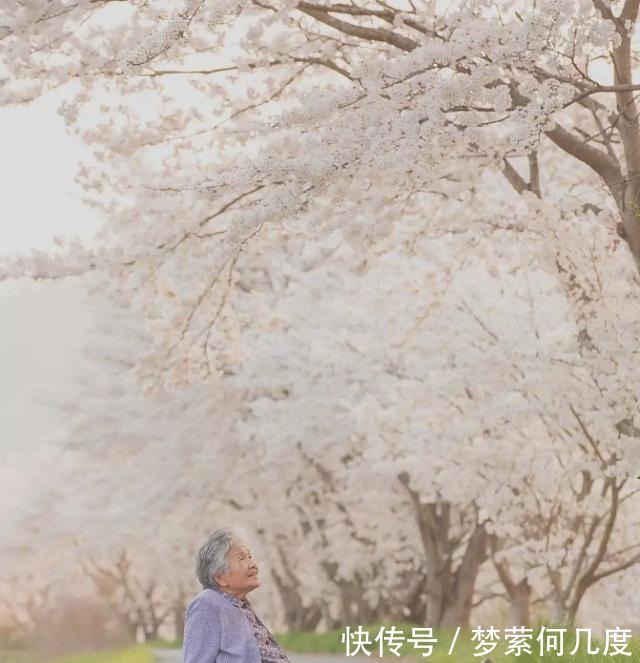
{"x":216,"y":630}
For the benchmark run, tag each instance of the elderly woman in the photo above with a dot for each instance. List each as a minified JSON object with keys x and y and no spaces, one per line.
{"x":220,"y":623}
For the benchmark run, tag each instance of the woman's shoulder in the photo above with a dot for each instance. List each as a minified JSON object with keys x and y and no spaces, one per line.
{"x":207,"y":597}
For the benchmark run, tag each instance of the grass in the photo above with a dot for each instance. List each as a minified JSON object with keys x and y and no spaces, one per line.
{"x":140,"y":654}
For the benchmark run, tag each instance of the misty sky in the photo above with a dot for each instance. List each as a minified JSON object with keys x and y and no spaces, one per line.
{"x":42,"y":326}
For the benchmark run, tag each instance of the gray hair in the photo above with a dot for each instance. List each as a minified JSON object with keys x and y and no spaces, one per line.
{"x":212,"y":556}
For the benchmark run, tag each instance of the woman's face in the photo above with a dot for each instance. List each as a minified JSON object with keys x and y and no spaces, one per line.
{"x":242,"y":576}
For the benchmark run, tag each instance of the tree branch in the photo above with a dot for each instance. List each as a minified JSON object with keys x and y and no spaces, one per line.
{"x":630,"y":11}
{"x":616,"y":569}
{"x":388,"y":15}
{"x":623,"y":87}
{"x":597,"y":160}
{"x":370,"y":34}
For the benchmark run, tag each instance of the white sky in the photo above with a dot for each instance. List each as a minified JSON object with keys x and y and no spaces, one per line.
{"x":42,"y":326}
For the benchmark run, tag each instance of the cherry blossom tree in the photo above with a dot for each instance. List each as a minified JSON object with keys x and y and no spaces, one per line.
{"x":517,"y":388}
{"x":376,"y":245}
{"x":345,"y":115}
{"x":457,"y":402}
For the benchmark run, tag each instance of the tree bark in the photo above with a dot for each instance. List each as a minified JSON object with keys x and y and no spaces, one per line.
{"x":449,"y":589}
{"x":520,"y":604}
{"x":519,"y":593}
{"x":457,"y":607}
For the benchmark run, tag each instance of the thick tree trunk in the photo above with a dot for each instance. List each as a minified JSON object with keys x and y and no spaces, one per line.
{"x":629,"y":230}
{"x":410,"y":606}
{"x":355,"y":609}
{"x":519,"y":593}
{"x":456,"y":609}
{"x":150,"y":634}
{"x":178,"y":610}
{"x":449,"y":590}
{"x":297,"y":616}
{"x":520,"y":604}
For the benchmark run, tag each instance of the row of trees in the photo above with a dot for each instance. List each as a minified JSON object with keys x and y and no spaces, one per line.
{"x":217,"y":122}
{"x":343,"y":544}
{"x":382,"y":258}
{"x":373,"y":486}
{"x":102,"y":605}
